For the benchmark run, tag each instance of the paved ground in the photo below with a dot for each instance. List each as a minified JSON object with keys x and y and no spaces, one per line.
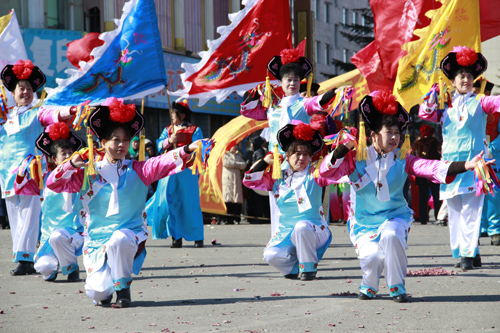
{"x":229,"y":288}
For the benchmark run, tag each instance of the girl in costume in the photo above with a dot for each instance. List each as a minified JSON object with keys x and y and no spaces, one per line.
{"x":19,"y":128}
{"x":174,"y":210}
{"x":61,"y":240}
{"x":302,"y":235}
{"x":289,"y":68}
{"x":115,"y":229}
{"x":380,"y":218}
{"x":464,"y":127}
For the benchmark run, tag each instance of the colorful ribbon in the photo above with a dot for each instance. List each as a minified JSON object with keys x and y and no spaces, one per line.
{"x":485,"y":179}
{"x":342,"y":103}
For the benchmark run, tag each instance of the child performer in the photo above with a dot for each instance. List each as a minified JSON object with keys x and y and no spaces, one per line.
{"x":302,"y":235}
{"x":61,"y":240}
{"x":18,"y":130}
{"x":380,"y":218}
{"x":174,"y":210}
{"x":289,"y":68}
{"x":464,"y":128}
{"x":115,"y":229}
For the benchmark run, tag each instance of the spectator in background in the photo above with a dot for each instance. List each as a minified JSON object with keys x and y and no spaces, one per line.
{"x":428,"y":147}
{"x":151,"y":152}
{"x":4,"y":221}
{"x":134,"y":148}
{"x":233,"y":165}
{"x":257,"y":204}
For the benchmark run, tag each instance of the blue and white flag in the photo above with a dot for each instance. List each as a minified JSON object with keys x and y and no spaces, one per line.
{"x":128,"y":65}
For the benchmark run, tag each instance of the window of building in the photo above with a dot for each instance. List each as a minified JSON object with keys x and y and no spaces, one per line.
{"x":345,"y":55}
{"x":316,"y":9}
{"x":318,"y":48}
{"x":345,"y":14}
{"x":327,"y":54}
{"x":336,"y":36}
{"x":92,"y":20}
{"x":327,"y":12}
{"x":354,"y":17}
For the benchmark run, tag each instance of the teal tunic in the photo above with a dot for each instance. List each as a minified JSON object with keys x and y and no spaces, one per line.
{"x":16,"y":147}
{"x":462,"y":144}
{"x":54,"y":217}
{"x":99,"y":228}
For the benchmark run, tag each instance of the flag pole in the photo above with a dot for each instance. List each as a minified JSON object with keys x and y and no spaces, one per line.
{"x":171,"y":119}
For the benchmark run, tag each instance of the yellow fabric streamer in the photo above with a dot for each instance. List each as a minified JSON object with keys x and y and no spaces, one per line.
{"x":309,"y":84}
{"x":318,"y":164}
{"x":42,"y":98}
{"x":267,"y":93}
{"x":277,"y":163}
{"x":91,"y":165}
{"x":361,"y":153}
{"x":405,"y":148}
{"x":142,"y":148}
{"x":197,"y":165}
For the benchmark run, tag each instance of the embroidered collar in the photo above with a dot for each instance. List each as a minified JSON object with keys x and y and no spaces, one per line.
{"x":286,"y":102}
{"x":296,"y":181}
{"x":377,"y":167}
{"x":111,"y":173}
{"x":17,"y":111}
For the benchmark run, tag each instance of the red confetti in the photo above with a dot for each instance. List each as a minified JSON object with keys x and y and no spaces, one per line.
{"x":330,"y":324}
{"x":430,"y":272}
{"x":276,"y":294}
{"x":12,"y":292}
{"x":152,"y":324}
{"x":91,"y":327}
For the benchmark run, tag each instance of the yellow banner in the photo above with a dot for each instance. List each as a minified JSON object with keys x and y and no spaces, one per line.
{"x":352,"y":78}
{"x":455,"y":23}
{"x":4,"y":20}
{"x":211,"y":181}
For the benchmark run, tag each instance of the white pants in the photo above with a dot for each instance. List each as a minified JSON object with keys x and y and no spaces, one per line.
{"x":305,"y":240}
{"x":389,"y":254}
{"x":274,"y":213}
{"x":443,"y":211}
{"x":464,"y":221}
{"x":24,"y":218}
{"x":120,"y":251}
{"x":65,"y":247}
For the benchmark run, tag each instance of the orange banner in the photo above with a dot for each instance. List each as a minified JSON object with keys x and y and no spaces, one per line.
{"x":211,"y":181}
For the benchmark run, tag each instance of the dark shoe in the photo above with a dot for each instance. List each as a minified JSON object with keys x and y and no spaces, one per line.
{"x":176,"y":243}
{"x":400,"y":298}
{"x":423,"y":222}
{"x":107,"y":301}
{"x":307,"y":276}
{"x":74,"y":276}
{"x":291,"y":276}
{"x":123,"y":298}
{"x":198,"y":243}
{"x":483,"y":234}
{"x":495,"y":240}
{"x":466,"y":263}
{"x":477,"y":261}
{"x":52,"y":278}
{"x":24,"y":268}
{"x":363,"y":297}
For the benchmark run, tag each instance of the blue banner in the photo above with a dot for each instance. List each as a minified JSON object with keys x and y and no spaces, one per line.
{"x":129,"y":65}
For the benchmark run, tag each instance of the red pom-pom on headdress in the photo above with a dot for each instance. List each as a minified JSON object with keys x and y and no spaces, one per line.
{"x":23,"y":69}
{"x":119,"y":112}
{"x":303,"y":132}
{"x":184,"y":103}
{"x":466,"y":56}
{"x":426,"y":130}
{"x":385,"y":102}
{"x":289,"y":55}
{"x":59,"y":131}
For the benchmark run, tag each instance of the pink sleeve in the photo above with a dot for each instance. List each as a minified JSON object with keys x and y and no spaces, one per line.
{"x":490,"y":104}
{"x":48,"y":116}
{"x":260,"y":180}
{"x":25,"y":186}
{"x":428,"y":112}
{"x":161,"y":166}
{"x":434,"y":170}
{"x":254,"y":110}
{"x":65,"y":178}
{"x":312,"y":106}
{"x":342,"y":167}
